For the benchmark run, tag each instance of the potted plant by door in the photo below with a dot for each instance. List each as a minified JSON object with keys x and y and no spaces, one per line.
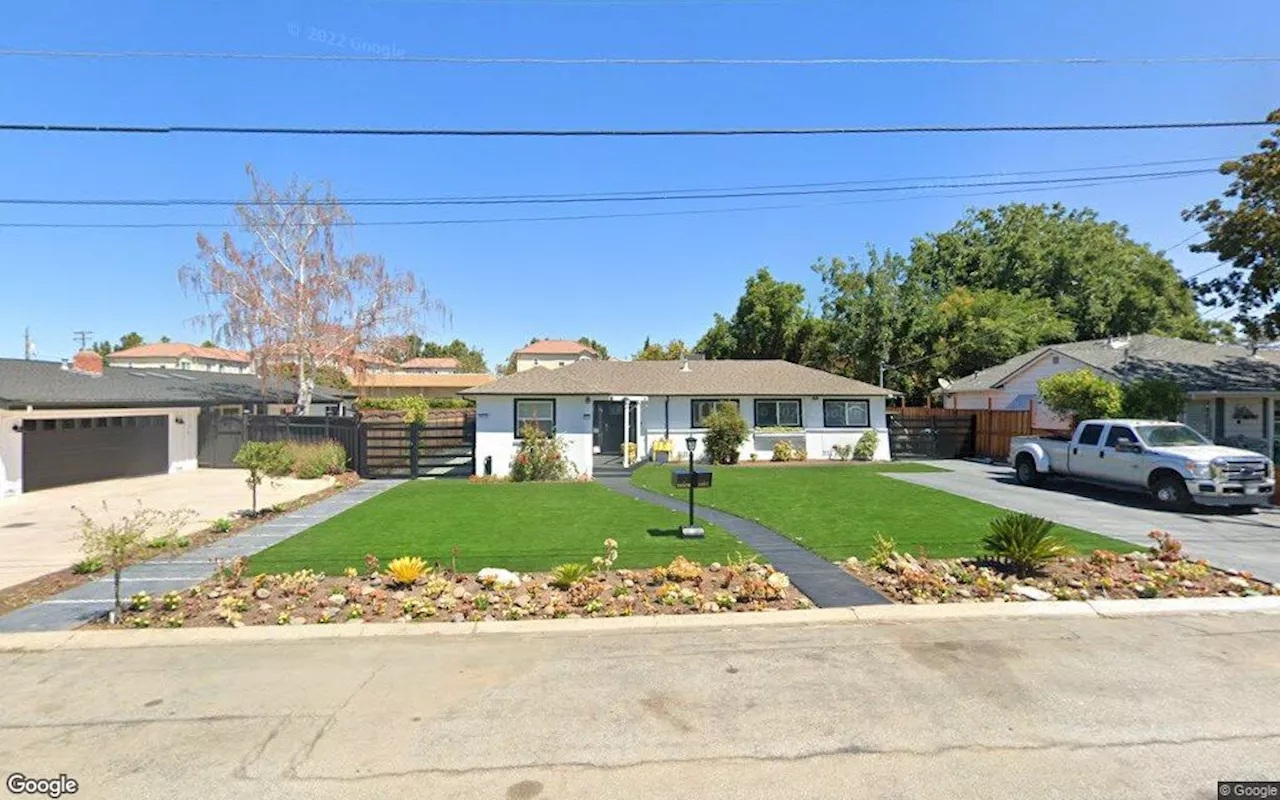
{"x":662,"y":450}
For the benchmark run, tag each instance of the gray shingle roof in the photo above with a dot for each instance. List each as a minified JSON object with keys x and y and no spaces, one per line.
{"x":1196,"y":366}
{"x":45,"y":384}
{"x":703,"y":378}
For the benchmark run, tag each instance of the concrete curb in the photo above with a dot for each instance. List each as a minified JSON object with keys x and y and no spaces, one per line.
{"x":43,"y":641}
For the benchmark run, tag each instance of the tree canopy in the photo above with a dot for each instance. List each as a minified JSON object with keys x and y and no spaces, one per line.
{"x":771,"y":321}
{"x":671,"y":351}
{"x":1244,"y":232}
{"x":411,"y":345}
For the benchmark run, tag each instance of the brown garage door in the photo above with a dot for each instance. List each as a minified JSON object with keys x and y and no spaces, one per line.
{"x":60,"y":452}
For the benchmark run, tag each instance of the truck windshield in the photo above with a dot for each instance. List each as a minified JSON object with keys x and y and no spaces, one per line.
{"x":1169,"y":435}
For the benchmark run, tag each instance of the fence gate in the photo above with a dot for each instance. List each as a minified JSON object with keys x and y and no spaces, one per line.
{"x":442,"y":447}
{"x":219,"y":437}
{"x":940,"y":436}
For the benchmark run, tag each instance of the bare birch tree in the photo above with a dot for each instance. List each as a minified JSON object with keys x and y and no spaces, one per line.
{"x":290,"y":297}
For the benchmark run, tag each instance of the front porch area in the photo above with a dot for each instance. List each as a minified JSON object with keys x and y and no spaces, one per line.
{"x":1246,"y":421}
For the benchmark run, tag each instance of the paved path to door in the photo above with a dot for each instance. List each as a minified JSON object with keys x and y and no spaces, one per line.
{"x":88,"y":601}
{"x":826,"y":585}
{"x":1223,"y":538}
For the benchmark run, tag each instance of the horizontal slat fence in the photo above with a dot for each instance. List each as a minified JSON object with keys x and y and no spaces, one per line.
{"x":993,"y":428}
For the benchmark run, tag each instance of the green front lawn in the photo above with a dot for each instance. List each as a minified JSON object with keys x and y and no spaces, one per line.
{"x":519,"y":526}
{"x":836,"y":511}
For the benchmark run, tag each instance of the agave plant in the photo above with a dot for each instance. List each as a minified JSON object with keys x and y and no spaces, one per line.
{"x":564,"y":576}
{"x":1024,"y":542}
{"x":406,"y":570}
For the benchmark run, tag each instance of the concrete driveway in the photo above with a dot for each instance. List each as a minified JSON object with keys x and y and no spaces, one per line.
{"x":1225,"y":538}
{"x":40,"y":531}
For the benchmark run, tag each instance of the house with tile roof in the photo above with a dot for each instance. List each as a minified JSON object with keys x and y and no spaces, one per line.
{"x":552,"y":354}
{"x":1232,"y":389}
{"x":181,"y":355}
{"x":597,"y":406}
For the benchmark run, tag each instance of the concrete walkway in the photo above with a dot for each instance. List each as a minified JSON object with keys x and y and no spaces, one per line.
{"x":77,"y":606}
{"x":825,"y":584}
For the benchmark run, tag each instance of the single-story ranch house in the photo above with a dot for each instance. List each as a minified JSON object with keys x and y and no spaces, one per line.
{"x":595,"y":406}
{"x":1231,"y":389}
{"x":63,"y":424}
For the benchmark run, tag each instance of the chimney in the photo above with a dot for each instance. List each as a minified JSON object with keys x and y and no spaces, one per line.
{"x":87,"y":362}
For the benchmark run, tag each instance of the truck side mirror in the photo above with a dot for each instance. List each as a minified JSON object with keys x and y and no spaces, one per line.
{"x":1127,"y":446}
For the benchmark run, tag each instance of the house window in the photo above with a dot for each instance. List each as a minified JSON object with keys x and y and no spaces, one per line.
{"x":774,"y":413}
{"x":701,"y":408}
{"x":846,"y":413}
{"x":541,"y":414}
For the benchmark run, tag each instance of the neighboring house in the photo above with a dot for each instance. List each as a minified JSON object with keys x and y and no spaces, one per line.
{"x":368,"y":363}
{"x":1232,"y":389}
{"x":552,"y":354}
{"x":429,"y":384}
{"x":595,"y":406}
{"x":179,"y":355}
{"x":429,"y":366}
{"x":63,"y":424}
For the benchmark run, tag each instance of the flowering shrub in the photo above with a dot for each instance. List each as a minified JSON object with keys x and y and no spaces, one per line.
{"x":865,"y":449}
{"x":540,"y":457}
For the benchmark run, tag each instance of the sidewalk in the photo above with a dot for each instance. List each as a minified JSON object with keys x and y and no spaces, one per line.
{"x":826,"y":585}
{"x":88,"y":601}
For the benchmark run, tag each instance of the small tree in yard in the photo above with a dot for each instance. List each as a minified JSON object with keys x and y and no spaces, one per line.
{"x":1154,"y":398}
{"x":262,"y":460}
{"x":1081,"y":394}
{"x":120,"y":542}
{"x":726,"y":431}
{"x":290,"y":296}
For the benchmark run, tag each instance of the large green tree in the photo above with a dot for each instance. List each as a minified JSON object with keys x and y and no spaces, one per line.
{"x":974,"y":329}
{"x":1097,"y":277}
{"x":771,"y":321}
{"x":671,"y":351}
{"x":599,"y":347}
{"x":1244,"y":232}
{"x":130,"y":339}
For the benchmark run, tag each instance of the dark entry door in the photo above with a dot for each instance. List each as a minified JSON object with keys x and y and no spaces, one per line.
{"x":62,"y":452}
{"x":607,"y":427}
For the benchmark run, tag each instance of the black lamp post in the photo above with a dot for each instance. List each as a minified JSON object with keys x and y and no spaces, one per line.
{"x":692,"y":442}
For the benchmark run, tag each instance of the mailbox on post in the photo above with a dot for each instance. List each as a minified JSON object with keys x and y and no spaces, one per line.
{"x":700,"y":479}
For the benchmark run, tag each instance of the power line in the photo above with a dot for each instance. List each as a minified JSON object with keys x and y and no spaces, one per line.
{"x":669,"y":193}
{"x":573,"y":217}
{"x":614,"y":198}
{"x":26,"y":127}
{"x":642,"y":62}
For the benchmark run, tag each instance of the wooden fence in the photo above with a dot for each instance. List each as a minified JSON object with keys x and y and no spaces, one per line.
{"x":993,"y":428}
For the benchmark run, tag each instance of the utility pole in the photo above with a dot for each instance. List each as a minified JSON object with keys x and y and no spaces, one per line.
{"x":83,"y":336}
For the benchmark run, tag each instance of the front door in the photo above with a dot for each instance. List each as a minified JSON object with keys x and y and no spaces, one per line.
{"x":607,"y":428}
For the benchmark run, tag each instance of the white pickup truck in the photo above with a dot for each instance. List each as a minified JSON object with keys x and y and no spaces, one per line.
{"x":1173,"y":462}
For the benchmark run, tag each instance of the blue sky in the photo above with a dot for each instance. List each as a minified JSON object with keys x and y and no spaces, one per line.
{"x":617,"y":280}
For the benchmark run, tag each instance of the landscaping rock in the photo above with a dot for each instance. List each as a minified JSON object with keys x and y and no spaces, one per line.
{"x":778,"y":580}
{"x":1238,"y":582}
{"x":710,"y":607}
{"x":365,"y":591}
{"x":715,"y":566}
{"x":262,"y":593}
{"x":851,"y":561}
{"x":459,"y":592}
{"x":522,"y":600}
{"x":297,"y":620}
{"x":500,"y":578}
{"x":1032,"y":593}
{"x":337,"y":600}
{"x":459,"y":618}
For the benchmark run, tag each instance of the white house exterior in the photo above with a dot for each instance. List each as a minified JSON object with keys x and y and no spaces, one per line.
{"x":179,"y":355}
{"x":594,"y":406}
{"x":1232,"y":390}
{"x":553,"y":354}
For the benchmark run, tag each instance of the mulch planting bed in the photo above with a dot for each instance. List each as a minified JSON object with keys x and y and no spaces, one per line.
{"x":1161,"y":571}
{"x":46,"y":586}
{"x":373,"y":595}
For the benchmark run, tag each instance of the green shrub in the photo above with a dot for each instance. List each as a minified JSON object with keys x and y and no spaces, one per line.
{"x":726,"y":431}
{"x":865,"y":449}
{"x":783,"y":451}
{"x":1154,"y":398}
{"x":1082,"y":394}
{"x":414,"y":407}
{"x":1024,"y":542}
{"x":87,"y":566}
{"x":221,"y":525}
{"x":882,"y":550}
{"x":564,"y":576}
{"x":540,"y":457}
{"x":313,"y":460}
{"x":843,"y":452}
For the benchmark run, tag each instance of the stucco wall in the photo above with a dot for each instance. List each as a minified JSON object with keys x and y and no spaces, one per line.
{"x":1021,"y":391}
{"x":495,"y":437}
{"x":183,"y":437}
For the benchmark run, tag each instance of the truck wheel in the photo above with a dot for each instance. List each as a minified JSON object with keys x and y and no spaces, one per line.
{"x":1025,"y":467}
{"x":1170,"y":491}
